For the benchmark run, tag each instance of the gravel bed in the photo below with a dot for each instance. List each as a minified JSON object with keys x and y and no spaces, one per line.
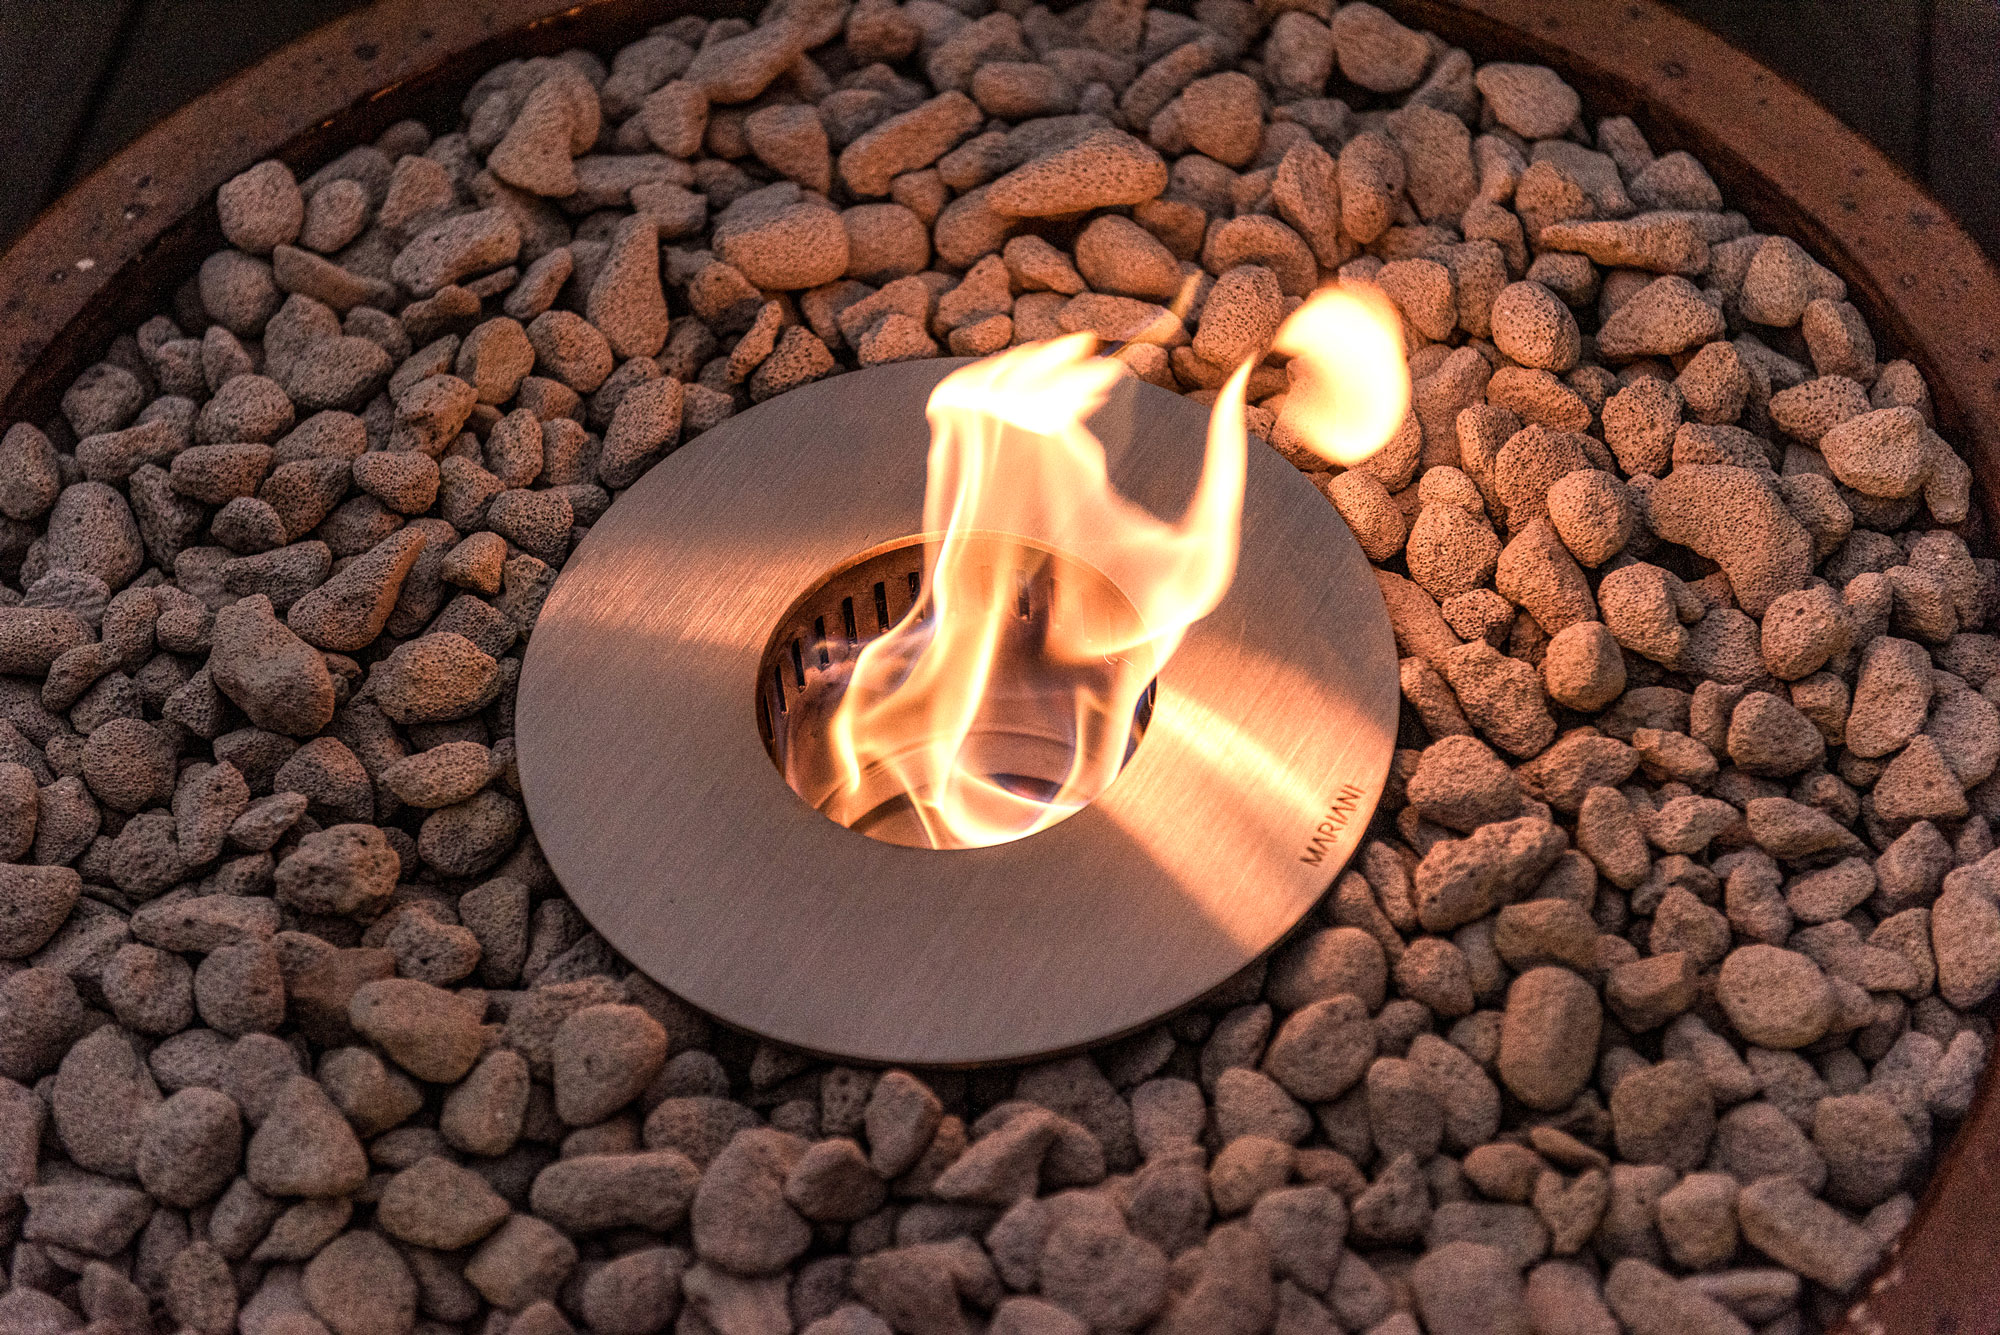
{"x":1646,"y":1007}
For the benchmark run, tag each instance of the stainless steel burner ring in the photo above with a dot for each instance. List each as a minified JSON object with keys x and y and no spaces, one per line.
{"x":653,"y":792}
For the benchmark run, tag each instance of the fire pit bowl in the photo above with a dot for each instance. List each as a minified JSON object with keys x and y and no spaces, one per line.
{"x":111,"y":251}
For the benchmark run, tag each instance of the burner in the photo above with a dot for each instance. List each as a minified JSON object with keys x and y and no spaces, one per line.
{"x":675,"y":661}
{"x":1029,"y":751}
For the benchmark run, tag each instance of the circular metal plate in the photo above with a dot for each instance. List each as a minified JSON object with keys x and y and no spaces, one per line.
{"x":667,"y":823}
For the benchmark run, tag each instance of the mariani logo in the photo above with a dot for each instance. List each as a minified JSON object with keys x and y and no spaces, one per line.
{"x":1327,"y":832}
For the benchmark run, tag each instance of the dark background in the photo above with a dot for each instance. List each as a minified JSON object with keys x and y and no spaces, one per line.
{"x":82,"y":78}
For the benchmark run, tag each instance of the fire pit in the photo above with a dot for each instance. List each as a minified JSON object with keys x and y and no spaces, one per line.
{"x":668,"y":823}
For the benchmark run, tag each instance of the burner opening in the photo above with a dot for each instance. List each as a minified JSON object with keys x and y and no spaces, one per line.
{"x":1021,"y":742}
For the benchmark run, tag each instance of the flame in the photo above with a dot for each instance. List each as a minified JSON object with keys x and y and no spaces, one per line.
{"x":1014,"y":690}
{"x":1350,"y":383}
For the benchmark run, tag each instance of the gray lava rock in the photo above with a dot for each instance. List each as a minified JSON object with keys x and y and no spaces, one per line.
{"x":742,"y":1222}
{"x":34,"y":904}
{"x":345,"y":870}
{"x":429,"y":1032}
{"x":303,"y":1146}
{"x":593,"y":1192}
{"x":435,"y":1203}
{"x":605,"y":1056}
{"x":190,"y":1147}
{"x":273,"y":676}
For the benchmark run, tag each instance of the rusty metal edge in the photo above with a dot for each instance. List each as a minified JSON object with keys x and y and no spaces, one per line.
{"x":102,"y":256}
{"x":106,"y":255}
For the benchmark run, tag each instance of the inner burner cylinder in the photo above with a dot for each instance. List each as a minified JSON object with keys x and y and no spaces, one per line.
{"x":1024,"y":737}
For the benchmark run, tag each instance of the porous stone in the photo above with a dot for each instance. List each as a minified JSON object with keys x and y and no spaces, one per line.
{"x":427,"y":1031}
{"x":1775,"y":998}
{"x":303,"y":1146}
{"x":604,"y":1057}
{"x":1548,"y":1037}
{"x":358,"y":1282}
{"x":436,"y":1203}
{"x":741,"y":1220}
{"x":1784,"y":1221}
{"x":343,"y":870}
{"x":34,"y":904}
{"x":279,"y":681}
{"x":1105,"y":168}
{"x":432,"y":679}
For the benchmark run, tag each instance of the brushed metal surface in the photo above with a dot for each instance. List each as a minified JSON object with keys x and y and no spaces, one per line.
{"x":652,"y":794}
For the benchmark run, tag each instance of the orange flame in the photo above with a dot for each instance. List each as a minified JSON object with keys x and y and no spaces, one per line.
{"x":1350,"y":383}
{"x":1015,"y":688}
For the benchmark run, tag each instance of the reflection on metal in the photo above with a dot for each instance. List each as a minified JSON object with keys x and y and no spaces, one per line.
{"x":653,"y":794}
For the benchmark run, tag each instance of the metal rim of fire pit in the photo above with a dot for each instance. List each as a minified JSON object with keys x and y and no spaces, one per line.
{"x":106,"y":254}
{"x":662,"y":814}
